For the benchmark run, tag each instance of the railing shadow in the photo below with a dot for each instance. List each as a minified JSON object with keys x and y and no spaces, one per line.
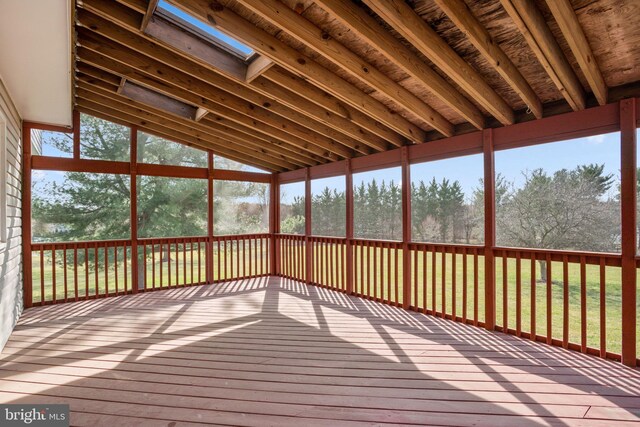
{"x":276,"y":346}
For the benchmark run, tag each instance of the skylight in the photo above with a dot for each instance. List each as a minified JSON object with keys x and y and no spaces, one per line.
{"x":206,"y":30}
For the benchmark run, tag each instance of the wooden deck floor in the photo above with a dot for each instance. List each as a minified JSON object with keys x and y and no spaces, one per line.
{"x":275,"y":352}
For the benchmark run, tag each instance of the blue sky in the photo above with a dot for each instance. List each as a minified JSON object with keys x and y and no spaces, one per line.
{"x":205,"y":27}
{"x":512,"y":164}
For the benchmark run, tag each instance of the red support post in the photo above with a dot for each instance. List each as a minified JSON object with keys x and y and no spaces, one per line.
{"x":406,"y":228}
{"x":274,"y":226}
{"x":628,"y":207}
{"x":349,"y":225}
{"x":209,"y":246}
{"x":489,"y":229}
{"x":307,"y":226}
{"x":76,"y":134}
{"x":133,"y":218}
{"x":27,"y":277}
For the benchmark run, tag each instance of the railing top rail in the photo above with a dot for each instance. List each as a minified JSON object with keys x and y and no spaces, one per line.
{"x":447,"y":245}
{"x":558,"y":252}
{"x":50,"y":245}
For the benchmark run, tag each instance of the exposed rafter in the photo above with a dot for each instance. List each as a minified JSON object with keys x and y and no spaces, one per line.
{"x":289,"y":58}
{"x":535,"y":30}
{"x":103,"y":18}
{"x":313,"y":37}
{"x":357,"y":20}
{"x":417,"y":32}
{"x":459,"y":13}
{"x":572,"y":31}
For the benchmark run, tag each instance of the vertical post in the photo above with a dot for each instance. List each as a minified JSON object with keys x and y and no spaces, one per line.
{"x":27,"y":277}
{"x":406,"y":228}
{"x":209,"y":247}
{"x":133,"y":218}
{"x":349,"y":225}
{"x":489,"y":230}
{"x":274,"y":226}
{"x":307,"y":226}
{"x":628,"y":207}
{"x":76,"y":134}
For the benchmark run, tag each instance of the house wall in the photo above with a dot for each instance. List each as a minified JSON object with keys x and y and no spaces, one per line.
{"x":11,"y":249}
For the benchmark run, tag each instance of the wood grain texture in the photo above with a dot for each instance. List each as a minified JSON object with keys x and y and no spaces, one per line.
{"x":275,"y":351}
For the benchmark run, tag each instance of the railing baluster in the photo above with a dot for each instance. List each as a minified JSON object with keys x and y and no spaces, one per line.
{"x":603,"y":309}
{"x":424,"y":280}
{"x":125,"y":268}
{"x":86,"y":270}
{"x":453,"y":283}
{"x":464,"y":285}
{"x":64,"y":266}
{"x":75,"y":271}
{"x":505,"y":294}
{"x":476,"y":284}
{"x":41,"y":276}
{"x":583,"y":304}
{"x":115,"y":265}
{"x":434,"y":308}
{"x":549,"y":300}
{"x":397,"y":268}
{"x":95,"y":260}
{"x":565,"y":301}
{"x":518,"y":294}
{"x":533,"y":296}
{"x":443,"y":280}
{"x":53,"y":275}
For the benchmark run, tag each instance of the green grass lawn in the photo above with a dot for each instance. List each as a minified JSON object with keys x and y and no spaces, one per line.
{"x":383,"y":285}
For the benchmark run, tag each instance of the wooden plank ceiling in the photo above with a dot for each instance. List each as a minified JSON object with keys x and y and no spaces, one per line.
{"x":336,"y":79}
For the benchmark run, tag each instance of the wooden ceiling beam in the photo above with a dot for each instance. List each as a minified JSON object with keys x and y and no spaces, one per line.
{"x":333,"y":126}
{"x":144,"y":117}
{"x":164,"y":63}
{"x":292,"y":99}
{"x":459,"y":13}
{"x":534,"y":28}
{"x":357,"y":20}
{"x":163,"y":132}
{"x":158,"y":71}
{"x":151,"y":8}
{"x":242,"y":113}
{"x":242,"y":135}
{"x":356,"y":121}
{"x":204,"y":133}
{"x":313,"y":37}
{"x":572,"y":31}
{"x":289,"y":58}
{"x":417,"y":32}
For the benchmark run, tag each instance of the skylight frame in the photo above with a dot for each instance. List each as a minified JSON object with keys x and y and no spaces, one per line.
{"x":169,"y":16}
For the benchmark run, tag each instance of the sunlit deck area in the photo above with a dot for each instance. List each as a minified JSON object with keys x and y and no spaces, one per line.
{"x":272,"y":351}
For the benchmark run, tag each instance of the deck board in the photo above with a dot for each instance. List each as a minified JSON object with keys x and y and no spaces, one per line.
{"x":275,"y":352}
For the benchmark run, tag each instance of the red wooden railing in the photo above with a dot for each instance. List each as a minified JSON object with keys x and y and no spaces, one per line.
{"x":446,"y":281}
{"x":171,"y":262}
{"x":562,"y":307}
{"x":328,"y":268}
{"x":240,"y":257}
{"x":377,"y":270}
{"x":291,"y":251}
{"x":73,"y":271}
